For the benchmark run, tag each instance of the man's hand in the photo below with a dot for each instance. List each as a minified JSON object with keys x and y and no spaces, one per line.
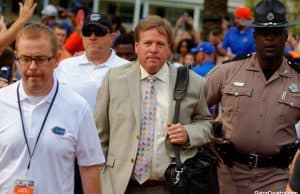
{"x":2,"y":25}
{"x":26,"y":10}
{"x":3,"y":82}
{"x":177,"y":134}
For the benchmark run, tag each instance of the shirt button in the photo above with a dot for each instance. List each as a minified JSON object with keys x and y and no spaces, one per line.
{"x":292,"y":104}
{"x":132,"y":160}
{"x":138,"y":137}
{"x":236,"y":93}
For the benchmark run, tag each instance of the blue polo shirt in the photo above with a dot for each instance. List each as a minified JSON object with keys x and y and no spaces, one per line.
{"x":203,"y":68}
{"x":240,"y":43}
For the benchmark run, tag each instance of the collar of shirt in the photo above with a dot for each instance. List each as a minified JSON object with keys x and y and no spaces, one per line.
{"x":107,"y":63}
{"x":47,"y":98}
{"x":162,"y":74}
{"x":283,"y":70}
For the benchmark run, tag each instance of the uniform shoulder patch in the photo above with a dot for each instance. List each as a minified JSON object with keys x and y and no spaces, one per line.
{"x":294,"y":64}
{"x":238,"y":57}
{"x":212,"y":70}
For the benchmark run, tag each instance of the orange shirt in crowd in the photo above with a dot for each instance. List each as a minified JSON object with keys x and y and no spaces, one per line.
{"x":73,"y":43}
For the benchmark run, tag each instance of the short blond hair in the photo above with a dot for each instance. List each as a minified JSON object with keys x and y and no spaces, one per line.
{"x":162,"y":25}
{"x":36,"y":31}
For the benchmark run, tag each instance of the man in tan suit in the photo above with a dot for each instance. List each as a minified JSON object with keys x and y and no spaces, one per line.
{"x":120,"y":115}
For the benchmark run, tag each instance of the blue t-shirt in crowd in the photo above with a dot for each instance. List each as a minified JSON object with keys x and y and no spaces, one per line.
{"x":203,"y":68}
{"x":240,"y":42}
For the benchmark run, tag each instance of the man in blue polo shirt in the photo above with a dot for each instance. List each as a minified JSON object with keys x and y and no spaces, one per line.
{"x":205,"y":54}
{"x":239,"y":39}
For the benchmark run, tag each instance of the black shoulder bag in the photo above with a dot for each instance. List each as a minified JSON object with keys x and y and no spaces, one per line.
{"x":197,"y":175}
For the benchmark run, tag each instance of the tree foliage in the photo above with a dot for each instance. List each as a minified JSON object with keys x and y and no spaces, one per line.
{"x":213,"y":12}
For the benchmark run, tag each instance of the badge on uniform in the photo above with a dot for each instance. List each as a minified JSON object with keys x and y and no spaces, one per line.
{"x":238,"y":83}
{"x":293,"y":88}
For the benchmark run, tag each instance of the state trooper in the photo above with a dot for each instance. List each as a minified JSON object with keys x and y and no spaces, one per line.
{"x":260,"y":98}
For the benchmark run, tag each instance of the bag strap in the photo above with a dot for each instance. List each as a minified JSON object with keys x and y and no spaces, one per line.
{"x":182,"y":81}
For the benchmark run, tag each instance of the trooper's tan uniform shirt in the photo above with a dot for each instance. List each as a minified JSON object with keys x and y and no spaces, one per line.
{"x":258,"y":115}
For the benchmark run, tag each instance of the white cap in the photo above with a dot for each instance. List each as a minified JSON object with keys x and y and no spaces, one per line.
{"x":48,"y":11}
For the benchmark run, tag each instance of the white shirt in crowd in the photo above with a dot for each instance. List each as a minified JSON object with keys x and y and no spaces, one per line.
{"x":69,"y":132}
{"x":84,"y":77}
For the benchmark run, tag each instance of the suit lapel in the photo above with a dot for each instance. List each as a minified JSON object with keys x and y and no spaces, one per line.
{"x":133,"y":80}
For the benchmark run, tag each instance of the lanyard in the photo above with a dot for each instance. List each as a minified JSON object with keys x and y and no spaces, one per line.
{"x":42,"y":127}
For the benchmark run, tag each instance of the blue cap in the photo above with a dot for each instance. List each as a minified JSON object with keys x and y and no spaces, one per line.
{"x":205,"y":47}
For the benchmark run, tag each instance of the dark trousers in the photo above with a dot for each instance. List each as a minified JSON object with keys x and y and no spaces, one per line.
{"x":78,"y":185}
{"x":134,"y":188}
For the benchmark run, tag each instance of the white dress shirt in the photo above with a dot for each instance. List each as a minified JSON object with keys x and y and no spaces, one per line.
{"x":160,"y":159}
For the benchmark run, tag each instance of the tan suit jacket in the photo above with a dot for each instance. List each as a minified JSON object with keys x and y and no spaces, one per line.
{"x":117,"y":116}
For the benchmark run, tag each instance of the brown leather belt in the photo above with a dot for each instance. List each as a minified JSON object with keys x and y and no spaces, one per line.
{"x":148,"y":183}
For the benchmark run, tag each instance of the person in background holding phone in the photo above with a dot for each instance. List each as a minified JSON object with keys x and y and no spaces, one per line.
{"x":6,"y":67}
{"x":7,"y":36}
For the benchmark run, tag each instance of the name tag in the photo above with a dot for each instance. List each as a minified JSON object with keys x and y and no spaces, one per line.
{"x":238,"y":83}
{"x":24,"y":186}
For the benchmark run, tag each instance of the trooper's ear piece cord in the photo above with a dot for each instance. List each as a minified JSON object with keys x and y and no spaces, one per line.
{"x":294,"y":182}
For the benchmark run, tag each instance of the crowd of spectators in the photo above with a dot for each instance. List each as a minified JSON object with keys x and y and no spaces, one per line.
{"x":90,"y":44}
{"x":232,"y":40}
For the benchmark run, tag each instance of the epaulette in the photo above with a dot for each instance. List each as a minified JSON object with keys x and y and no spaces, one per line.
{"x":237,"y":58}
{"x":295,"y":64}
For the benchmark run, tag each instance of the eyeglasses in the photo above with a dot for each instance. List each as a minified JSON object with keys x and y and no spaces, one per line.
{"x":39,"y":60}
{"x":87,"y":31}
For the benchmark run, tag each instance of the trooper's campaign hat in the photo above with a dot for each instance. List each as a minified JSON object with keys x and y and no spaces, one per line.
{"x":270,"y":14}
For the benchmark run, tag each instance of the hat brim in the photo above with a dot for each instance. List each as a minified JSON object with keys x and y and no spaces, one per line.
{"x":270,"y":25}
{"x":194,"y":50}
{"x":97,"y":24}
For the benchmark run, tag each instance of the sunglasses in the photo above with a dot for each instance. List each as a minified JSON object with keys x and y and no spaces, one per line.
{"x":87,"y":31}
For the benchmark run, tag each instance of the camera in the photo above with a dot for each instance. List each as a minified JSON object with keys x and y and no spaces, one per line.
{"x":5,"y":72}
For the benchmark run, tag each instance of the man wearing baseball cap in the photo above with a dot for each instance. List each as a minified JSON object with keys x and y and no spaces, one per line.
{"x":239,"y":39}
{"x":85,"y":73}
{"x":204,"y":58}
{"x":260,"y":96}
